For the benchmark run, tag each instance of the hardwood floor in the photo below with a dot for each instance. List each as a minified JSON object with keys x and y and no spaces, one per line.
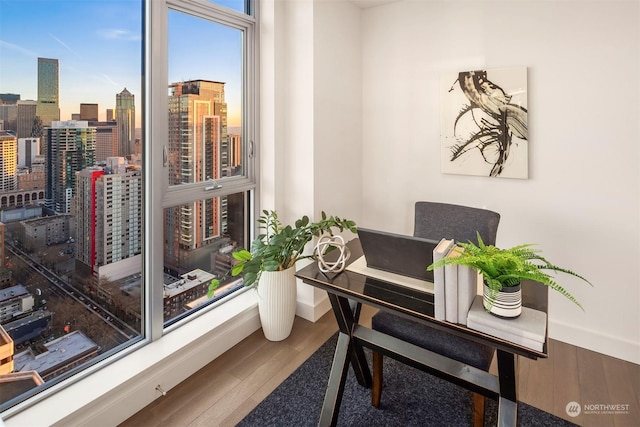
{"x":227,"y":389}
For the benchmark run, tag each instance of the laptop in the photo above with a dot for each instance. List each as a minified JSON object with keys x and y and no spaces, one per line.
{"x":397,"y":253}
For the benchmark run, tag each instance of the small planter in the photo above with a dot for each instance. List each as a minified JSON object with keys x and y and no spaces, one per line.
{"x":277,"y":303}
{"x":505,"y":303}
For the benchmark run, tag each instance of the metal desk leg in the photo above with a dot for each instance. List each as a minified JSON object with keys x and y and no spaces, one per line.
{"x":335,"y":386}
{"x":508,"y":400}
{"x":345,"y":318}
{"x":347,"y":352}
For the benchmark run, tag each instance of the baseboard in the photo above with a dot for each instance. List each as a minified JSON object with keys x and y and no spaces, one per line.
{"x":115,"y":392}
{"x":313,"y":312}
{"x":595,"y":341}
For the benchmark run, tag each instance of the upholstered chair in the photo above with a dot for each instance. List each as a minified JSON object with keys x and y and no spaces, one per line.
{"x":436,"y":221}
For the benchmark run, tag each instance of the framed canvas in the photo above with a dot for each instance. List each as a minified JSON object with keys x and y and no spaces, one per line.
{"x":484,"y":128}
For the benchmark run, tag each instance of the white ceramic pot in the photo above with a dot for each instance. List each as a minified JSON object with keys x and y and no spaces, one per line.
{"x":277,"y":303}
{"x":504,"y":303}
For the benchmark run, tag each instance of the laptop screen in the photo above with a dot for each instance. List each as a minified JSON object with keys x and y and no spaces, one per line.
{"x":397,"y":253}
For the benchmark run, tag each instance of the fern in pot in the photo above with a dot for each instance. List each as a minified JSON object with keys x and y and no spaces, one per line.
{"x":269,"y":266}
{"x":503,"y":270}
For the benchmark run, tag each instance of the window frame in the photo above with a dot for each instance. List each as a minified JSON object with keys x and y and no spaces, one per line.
{"x":160,"y":194}
{"x":156,"y":194}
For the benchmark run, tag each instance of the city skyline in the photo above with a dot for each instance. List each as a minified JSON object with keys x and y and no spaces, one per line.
{"x":100,"y":55}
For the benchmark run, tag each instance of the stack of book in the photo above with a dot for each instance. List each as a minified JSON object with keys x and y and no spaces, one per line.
{"x":529,"y":329}
{"x":455,"y":286}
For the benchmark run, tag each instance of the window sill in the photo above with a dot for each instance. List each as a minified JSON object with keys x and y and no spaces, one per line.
{"x":112,"y":394}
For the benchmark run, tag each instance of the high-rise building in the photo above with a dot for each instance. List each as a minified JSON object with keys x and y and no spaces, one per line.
{"x":109,"y":216}
{"x":26,"y":119}
{"x":110,"y":117}
{"x":9,"y":98}
{"x":197,"y":139}
{"x":8,"y":161}
{"x":2,"y":259}
{"x":89,"y":112}
{"x":8,"y":117}
{"x":48,"y":108}
{"x":106,"y":140}
{"x":34,"y":180}
{"x":28,"y":149}
{"x":71,"y":147}
{"x":235,"y":152}
{"x":126,"y":120}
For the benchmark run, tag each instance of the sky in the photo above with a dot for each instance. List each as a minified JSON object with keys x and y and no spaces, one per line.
{"x":99,"y":47}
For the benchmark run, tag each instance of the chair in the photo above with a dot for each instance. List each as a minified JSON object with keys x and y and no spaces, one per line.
{"x":436,"y":221}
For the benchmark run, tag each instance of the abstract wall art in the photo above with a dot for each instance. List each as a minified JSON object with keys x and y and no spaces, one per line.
{"x":484,"y":127}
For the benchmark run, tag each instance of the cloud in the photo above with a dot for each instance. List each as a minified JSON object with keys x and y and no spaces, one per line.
{"x":117,"y":34}
{"x":66,"y":46}
{"x":17,"y":48}
{"x":110,"y":80}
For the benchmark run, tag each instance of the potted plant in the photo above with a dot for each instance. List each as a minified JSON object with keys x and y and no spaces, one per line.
{"x":269,"y":266}
{"x":503,"y":270}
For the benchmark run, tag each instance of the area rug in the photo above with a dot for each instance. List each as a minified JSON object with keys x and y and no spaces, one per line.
{"x":410,"y":398}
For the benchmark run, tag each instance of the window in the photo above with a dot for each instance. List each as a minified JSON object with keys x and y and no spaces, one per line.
{"x":207,"y":174}
{"x":164,"y":174}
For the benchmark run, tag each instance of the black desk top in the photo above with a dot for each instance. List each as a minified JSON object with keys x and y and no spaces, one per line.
{"x":415,"y":304}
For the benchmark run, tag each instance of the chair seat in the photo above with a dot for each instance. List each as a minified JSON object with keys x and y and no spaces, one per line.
{"x":444,"y":343}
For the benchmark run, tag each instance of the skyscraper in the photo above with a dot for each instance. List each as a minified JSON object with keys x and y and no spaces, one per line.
{"x":26,"y":118}
{"x":8,"y":115}
{"x":126,"y":120}
{"x":89,"y":112}
{"x":28,"y":149}
{"x":197,"y":137}
{"x":48,"y":108}
{"x":106,"y":140}
{"x":109,"y":218}
{"x":8,"y":161}
{"x":9,"y":98}
{"x":71,"y":147}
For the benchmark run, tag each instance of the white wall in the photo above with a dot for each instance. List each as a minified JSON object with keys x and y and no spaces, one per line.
{"x":310,"y":158}
{"x":581,"y":201}
{"x":583,"y":190}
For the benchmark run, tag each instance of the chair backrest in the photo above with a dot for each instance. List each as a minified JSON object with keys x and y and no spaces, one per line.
{"x":443,"y":220}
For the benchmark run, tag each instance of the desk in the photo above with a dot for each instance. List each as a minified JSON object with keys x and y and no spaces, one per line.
{"x":413,"y":304}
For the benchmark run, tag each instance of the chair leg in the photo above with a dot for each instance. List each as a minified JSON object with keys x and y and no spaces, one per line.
{"x":478,"y":410}
{"x":376,"y":386}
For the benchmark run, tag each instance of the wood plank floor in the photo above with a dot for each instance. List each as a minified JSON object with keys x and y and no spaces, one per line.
{"x":227,"y":389}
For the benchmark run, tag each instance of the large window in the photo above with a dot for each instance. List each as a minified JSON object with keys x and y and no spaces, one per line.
{"x":122,"y":192}
{"x":207,"y":173}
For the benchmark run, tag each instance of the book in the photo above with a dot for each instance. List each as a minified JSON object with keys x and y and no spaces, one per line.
{"x":517,"y":339}
{"x":467,"y":290}
{"x":451,"y":286}
{"x":529,"y":329}
{"x":439,"y":252}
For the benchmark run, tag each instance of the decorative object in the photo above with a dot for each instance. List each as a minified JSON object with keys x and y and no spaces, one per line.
{"x":507,"y":302}
{"x":504,"y":268}
{"x":274,"y":253}
{"x":326,"y":244}
{"x":277,"y":303}
{"x":484,"y":123}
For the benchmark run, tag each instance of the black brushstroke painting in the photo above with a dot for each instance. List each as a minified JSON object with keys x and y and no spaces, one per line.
{"x":496,"y":120}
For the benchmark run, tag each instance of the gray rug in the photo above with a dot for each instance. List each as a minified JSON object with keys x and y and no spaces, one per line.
{"x":410,"y":398}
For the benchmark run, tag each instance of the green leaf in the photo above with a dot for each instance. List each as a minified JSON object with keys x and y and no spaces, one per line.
{"x":242,"y":255}
{"x":213,"y":285}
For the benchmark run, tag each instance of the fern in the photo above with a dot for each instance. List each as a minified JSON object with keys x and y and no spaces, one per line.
{"x":508,"y":267}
